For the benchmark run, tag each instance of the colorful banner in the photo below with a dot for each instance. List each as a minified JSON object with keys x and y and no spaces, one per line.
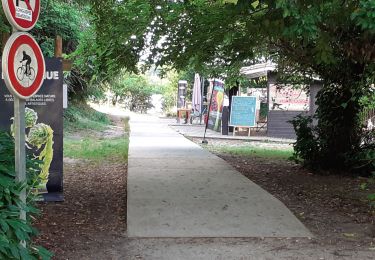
{"x":216,"y":108}
{"x":44,"y":127}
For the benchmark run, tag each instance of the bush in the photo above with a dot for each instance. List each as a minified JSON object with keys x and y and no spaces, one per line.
{"x":13,"y":230}
{"x":311,"y":148}
{"x":306,"y":147}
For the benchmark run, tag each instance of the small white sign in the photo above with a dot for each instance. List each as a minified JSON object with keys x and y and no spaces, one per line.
{"x":24,"y":14}
{"x":65,"y":96}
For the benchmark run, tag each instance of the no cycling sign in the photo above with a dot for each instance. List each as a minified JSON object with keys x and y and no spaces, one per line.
{"x":23,"y":65}
{"x":23,"y":68}
{"x":22,"y":14}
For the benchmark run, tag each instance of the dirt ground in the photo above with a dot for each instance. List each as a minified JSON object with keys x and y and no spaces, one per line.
{"x":93,"y":214}
{"x":93,"y":211}
{"x":91,"y":223}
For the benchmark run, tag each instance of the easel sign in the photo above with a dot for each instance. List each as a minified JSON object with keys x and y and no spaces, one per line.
{"x":243,"y":112}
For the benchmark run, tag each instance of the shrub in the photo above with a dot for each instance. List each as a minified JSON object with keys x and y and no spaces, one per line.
{"x":312,"y":150}
{"x":306,"y":147}
{"x":13,"y":230}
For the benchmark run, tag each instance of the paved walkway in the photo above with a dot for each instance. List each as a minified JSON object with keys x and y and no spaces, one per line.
{"x":178,"y":189}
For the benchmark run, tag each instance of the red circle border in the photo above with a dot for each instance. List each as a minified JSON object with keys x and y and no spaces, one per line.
{"x":26,"y":25}
{"x":39,"y":77}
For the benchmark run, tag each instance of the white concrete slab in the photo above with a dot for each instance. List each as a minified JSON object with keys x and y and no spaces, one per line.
{"x":178,"y":189}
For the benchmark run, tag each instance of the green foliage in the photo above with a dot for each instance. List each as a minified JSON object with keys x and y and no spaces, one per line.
{"x":82,"y":117}
{"x":364,"y":16}
{"x":368,"y":186}
{"x":368,"y":101}
{"x":169,"y":90}
{"x":97,"y":149}
{"x":134,"y":91}
{"x":93,"y":147}
{"x":363,"y":158}
{"x":256,"y":152}
{"x":57,"y":18}
{"x":306,"y":146}
{"x":12,"y":229}
{"x":194,"y":33}
{"x":333,"y":143}
{"x":314,"y":37}
{"x":84,"y":80}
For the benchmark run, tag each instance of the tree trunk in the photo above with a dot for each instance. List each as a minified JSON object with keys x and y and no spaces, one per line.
{"x":338,"y":126}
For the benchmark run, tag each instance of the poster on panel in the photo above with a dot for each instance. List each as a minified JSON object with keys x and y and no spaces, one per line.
{"x":288,"y":98}
{"x":44,"y":127}
{"x":216,"y":108}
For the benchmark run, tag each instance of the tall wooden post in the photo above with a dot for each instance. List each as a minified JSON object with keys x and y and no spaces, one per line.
{"x":58,"y":47}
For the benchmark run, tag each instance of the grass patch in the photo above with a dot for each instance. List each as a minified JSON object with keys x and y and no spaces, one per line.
{"x":82,"y":117}
{"x":97,"y":149}
{"x":82,"y":139}
{"x":255,"y":151}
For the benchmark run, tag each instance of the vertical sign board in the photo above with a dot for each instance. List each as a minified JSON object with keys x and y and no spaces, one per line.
{"x":47,"y":105}
{"x":181,"y":95}
{"x":243,"y":111}
{"x":216,"y":108}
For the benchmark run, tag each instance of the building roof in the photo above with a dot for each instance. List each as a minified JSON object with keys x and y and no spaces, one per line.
{"x":258,"y":70}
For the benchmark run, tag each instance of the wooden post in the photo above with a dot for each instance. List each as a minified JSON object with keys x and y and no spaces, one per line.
{"x":58,"y":47}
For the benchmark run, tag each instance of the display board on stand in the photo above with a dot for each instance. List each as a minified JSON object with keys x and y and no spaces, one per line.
{"x":243,"y":112}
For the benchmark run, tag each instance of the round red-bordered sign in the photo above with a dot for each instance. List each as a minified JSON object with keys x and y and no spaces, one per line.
{"x":23,"y":65}
{"x":22,"y":14}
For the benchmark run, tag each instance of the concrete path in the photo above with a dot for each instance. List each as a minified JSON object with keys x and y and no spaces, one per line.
{"x":178,"y":189}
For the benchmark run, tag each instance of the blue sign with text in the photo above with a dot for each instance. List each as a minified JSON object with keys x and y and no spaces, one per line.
{"x":243,"y":111}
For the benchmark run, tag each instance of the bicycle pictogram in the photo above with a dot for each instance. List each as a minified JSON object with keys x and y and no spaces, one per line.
{"x":25,"y":70}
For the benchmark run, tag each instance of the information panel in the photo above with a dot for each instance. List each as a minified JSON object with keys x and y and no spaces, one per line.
{"x":243,"y":111}
{"x":44,"y":127}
